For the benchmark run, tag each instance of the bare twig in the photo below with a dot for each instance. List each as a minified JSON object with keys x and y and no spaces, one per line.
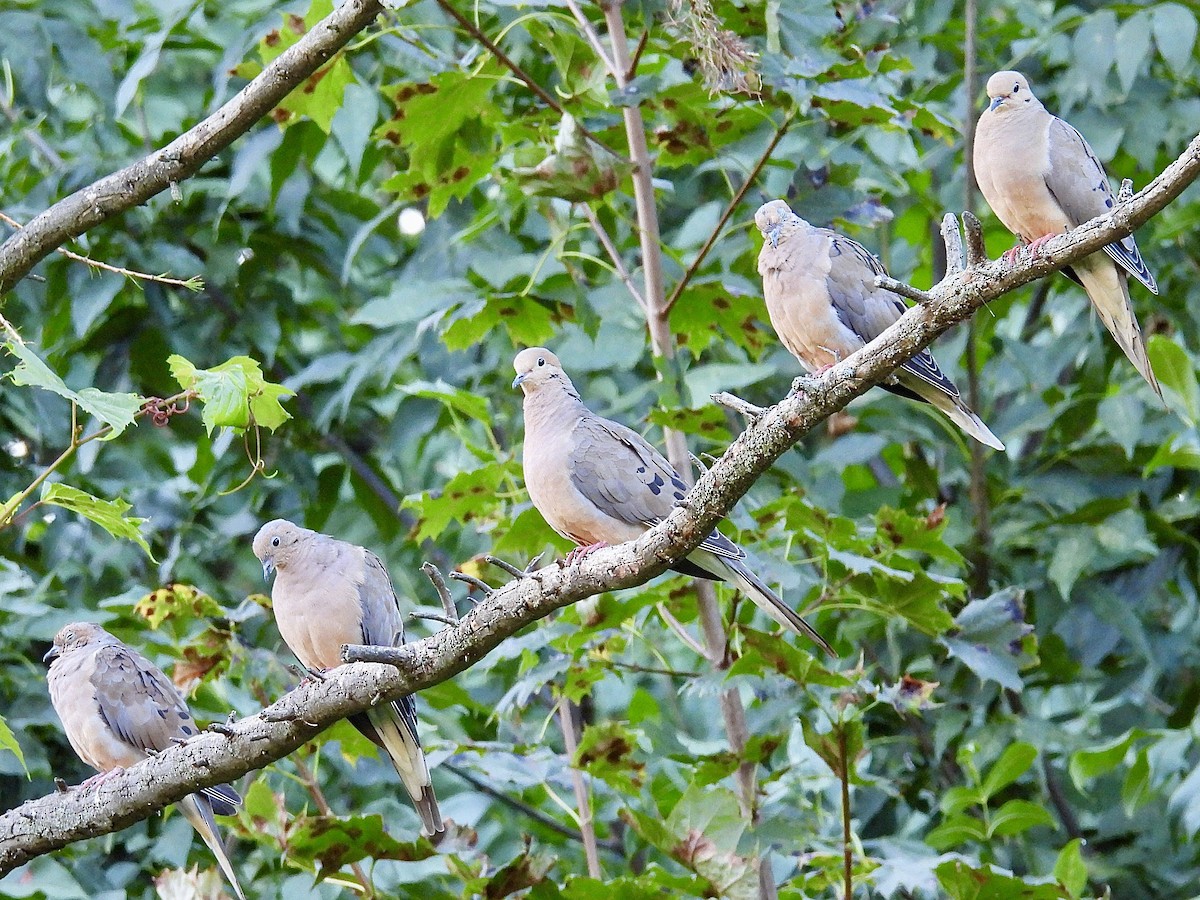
{"x":751,"y":177}
{"x":195,"y":283}
{"x":847,"y":844}
{"x":976,"y":250}
{"x":183,"y":157}
{"x":443,"y":592}
{"x":904,"y":290}
{"x":434,"y":617}
{"x":683,"y":634}
{"x":566,"y":718}
{"x":505,"y":566}
{"x":478,"y":583}
{"x":952,"y":238}
{"x":737,"y":404}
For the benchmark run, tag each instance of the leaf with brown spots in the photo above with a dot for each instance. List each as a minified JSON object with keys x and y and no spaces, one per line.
{"x":178,"y":601}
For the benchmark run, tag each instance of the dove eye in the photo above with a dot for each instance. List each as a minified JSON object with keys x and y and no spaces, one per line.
{"x":1016,"y":88}
{"x":541,"y":361}
{"x":274,"y":542}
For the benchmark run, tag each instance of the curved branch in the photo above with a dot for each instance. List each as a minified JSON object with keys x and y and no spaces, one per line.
{"x":183,"y":157}
{"x":58,"y":819}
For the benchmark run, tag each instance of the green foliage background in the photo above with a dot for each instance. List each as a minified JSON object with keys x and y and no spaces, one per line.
{"x":991,"y":722}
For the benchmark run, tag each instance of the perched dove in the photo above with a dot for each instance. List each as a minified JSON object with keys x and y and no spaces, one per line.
{"x":117,"y":708}
{"x":597,"y":483}
{"x":1041,"y":178}
{"x":824,"y":305}
{"x":328,"y":593}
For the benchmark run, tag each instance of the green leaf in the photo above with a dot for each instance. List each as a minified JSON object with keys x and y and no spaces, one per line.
{"x":1135,"y":791}
{"x":609,"y":751}
{"x":115,"y":410}
{"x":992,"y":637}
{"x":177,"y":601}
{"x":108,"y":514}
{"x":829,"y":745}
{"x":8,"y":741}
{"x":962,"y":881}
{"x":329,"y":843}
{"x":528,"y":321}
{"x":1174,"y":35}
{"x":235,"y":394}
{"x":1176,"y":372}
{"x":468,"y":403}
{"x":460,"y":500}
{"x":1012,"y":764}
{"x":1016,"y":816}
{"x":1086,"y":765}
{"x":955,"y":831}
{"x":1070,"y":869}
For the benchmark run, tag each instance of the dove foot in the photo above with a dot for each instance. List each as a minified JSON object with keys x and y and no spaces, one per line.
{"x":581,"y":553}
{"x":101,"y":777}
{"x":1036,"y":246}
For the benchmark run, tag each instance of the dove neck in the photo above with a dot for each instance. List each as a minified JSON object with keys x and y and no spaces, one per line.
{"x":551,"y":405}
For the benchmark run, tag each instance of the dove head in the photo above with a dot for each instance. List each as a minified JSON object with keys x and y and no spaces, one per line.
{"x":73,"y":637}
{"x":771,"y":218}
{"x":538,"y":369}
{"x":277,"y":544}
{"x":1009,"y":91}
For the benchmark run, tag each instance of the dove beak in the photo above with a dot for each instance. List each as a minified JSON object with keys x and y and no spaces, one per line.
{"x":519,"y":380}
{"x":51,"y":654}
{"x":773,"y":234}
{"x":996,"y":101}
{"x":268,"y":568}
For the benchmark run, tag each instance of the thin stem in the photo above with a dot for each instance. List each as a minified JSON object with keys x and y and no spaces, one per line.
{"x":751,"y":177}
{"x":505,"y":60}
{"x":847,"y":849}
{"x":566,"y":718}
{"x":610,"y":248}
{"x":980,"y":552}
{"x":592,"y":37}
{"x":310,"y":783}
{"x":195,"y":283}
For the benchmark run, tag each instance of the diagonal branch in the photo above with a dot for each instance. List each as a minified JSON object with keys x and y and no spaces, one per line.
{"x":183,"y":157}
{"x":50,"y":822}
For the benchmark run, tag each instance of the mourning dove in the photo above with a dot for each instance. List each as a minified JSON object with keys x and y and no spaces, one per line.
{"x":1041,"y":178}
{"x":824,"y":305}
{"x":328,"y":593}
{"x":117,"y":708}
{"x":597,"y":483}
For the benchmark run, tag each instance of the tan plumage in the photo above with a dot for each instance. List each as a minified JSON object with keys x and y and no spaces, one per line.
{"x":1041,"y":178}
{"x":116,"y":707}
{"x":597,"y":482}
{"x":328,"y":593}
{"x":822,"y":301}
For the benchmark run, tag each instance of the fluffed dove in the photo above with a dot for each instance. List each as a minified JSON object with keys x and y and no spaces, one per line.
{"x":1041,"y":178}
{"x":117,"y":708}
{"x":328,"y":593}
{"x":824,"y":305}
{"x":597,"y":483}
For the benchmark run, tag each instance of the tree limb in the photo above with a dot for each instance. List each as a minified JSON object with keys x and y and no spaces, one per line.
{"x":50,"y":822}
{"x":183,"y":157}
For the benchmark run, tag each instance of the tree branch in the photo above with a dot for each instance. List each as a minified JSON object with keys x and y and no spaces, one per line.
{"x":183,"y":157}
{"x":50,"y":822}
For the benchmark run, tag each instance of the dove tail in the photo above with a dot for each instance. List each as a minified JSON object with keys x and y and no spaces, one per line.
{"x":734,"y":571}
{"x":955,"y":410}
{"x":409,"y":761}
{"x":1108,"y":289}
{"x":199,"y":812}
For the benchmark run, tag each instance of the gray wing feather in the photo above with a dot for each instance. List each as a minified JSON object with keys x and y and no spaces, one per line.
{"x":868,"y":311}
{"x":619,"y":471}
{"x":1080,"y":185}
{"x":137,"y":701}
{"x":382,"y":625}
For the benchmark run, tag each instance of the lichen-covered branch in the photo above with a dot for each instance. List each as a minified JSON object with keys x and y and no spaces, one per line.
{"x":42,"y":825}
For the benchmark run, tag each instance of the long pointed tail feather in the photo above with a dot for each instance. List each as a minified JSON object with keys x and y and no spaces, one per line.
{"x":409,"y":761}
{"x":751,"y":585}
{"x":1108,"y":289}
{"x":198,"y":811}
